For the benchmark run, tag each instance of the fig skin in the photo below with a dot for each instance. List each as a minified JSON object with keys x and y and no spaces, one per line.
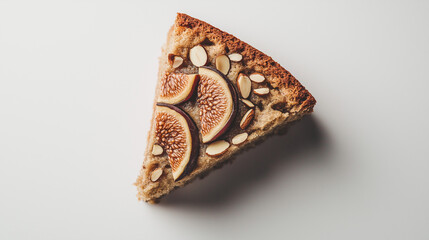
{"x":234,"y":105}
{"x":193,"y":91}
{"x":195,"y":147}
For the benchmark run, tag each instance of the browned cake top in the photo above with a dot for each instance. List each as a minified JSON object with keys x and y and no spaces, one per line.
{"x":277,"y":76}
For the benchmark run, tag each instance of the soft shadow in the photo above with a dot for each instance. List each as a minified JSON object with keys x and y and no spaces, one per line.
{"x":231,"y":183}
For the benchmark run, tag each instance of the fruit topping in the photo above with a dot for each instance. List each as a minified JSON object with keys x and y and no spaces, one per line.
{"x":176,"y":132}
{"x":217,"y":101}
{"x":235,"y":57}
{"x":177,"y":87}
{"x":257,"y":77}
{"x":157,"y":150}
{"x":261,"y":91}
{"x":239,"y":138}
{"x":248,"y":103}
{"x":156,"y":173}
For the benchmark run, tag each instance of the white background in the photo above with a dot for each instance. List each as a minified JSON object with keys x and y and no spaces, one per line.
{"x":77,"y":80}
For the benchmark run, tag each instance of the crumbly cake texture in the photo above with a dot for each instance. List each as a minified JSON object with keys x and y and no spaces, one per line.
{"x":287,"y":101}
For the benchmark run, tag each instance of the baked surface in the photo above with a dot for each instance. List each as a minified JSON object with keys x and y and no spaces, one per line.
{"x":287,"y":101}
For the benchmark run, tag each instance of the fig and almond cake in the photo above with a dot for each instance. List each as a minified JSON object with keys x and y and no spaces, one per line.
{"x":215,"y":97}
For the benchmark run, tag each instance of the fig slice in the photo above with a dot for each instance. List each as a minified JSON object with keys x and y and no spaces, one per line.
{"x":217,"y":100}
{"x":177,"y":87}
{"x":177,"y":134}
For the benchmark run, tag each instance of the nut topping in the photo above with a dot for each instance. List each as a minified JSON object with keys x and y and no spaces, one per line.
{"x":177,"y":61}
{"x":174,"y":61}
{"x":235,"y":57}
{"x":239,"y":138}
{"x":154,"y":176}
{"x":217,"y":148}
{"x":261,"y":91}
{"x":244,"y":85}
{"x":223,"y":64}
{"x":198,"y":56}
{"x":247,"y":118}
{"x":248,"y":103}
{"x":257,"y":77}
{"x":157,"y":150}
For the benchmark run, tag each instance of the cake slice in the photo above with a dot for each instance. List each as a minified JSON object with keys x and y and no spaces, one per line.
{"x":215,"y":97}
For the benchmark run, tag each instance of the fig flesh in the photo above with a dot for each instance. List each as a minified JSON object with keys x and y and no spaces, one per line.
{"x":177,"y":134}
{"x":217,"y":100}
{"x":177,"y":87}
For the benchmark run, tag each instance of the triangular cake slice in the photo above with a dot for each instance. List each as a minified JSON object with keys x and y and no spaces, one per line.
{"x":215,"y":97}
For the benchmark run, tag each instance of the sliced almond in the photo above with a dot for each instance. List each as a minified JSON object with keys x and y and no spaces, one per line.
{"x":261,"y":91}
{"x":198,"y":56}
{"x":248,"y":103}
{"x":235,"y":57}
{"x":174,"y":61}
{"x":257,"y":77}
{"x":217,"y":148}
{"x":239,"y":138}
{"x":154,"y":176}
{"x":223,"y":64}
{"x":177,"y":61}
{"x":157,"y":150}
{"x":244,"y":85}
{"x":247,"y":118}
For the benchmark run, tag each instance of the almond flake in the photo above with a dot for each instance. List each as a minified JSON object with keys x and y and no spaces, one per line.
{"x":177,"y":61}
{"x":261,"y":91}
{"x":257,"y":77}
{"x":244,"y":85}
{"x":217,"y":148}
{"x":239,"y":138}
